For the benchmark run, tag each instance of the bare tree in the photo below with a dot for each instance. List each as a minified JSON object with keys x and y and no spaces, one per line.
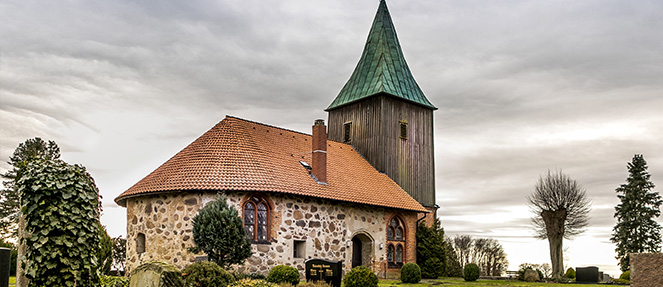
{"x":463,"y":244}
{"x":562,"y":211}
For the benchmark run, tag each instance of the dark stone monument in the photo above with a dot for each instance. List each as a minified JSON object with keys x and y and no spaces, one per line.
{"x":5,"y":264}
{"x":324,"y":270}
{"x":587,"y":274}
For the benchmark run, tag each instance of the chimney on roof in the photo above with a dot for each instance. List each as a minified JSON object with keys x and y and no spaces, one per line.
{"x":319,"y":146}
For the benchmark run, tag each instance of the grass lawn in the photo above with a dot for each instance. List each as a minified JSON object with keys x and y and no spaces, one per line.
{"x":454,"y":282}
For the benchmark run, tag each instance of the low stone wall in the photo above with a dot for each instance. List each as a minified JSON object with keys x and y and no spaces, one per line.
{"x":646,"y":269}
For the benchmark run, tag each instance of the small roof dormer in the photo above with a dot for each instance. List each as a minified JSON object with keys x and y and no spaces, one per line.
{"x":382,"y":68}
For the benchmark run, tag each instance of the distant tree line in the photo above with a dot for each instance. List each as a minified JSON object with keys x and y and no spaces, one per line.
{"x":487,"y":253}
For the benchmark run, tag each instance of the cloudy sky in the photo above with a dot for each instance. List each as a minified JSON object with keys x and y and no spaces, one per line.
{"x":521,"y":87}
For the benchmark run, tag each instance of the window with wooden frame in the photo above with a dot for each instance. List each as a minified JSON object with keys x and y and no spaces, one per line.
{"x":403,"y":125}
{"x":347,"y":131}
{"x":256,"y":219}
{"x":396,"y":242}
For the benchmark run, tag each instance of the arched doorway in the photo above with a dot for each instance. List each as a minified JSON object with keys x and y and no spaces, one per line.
{"x":362,"y":250}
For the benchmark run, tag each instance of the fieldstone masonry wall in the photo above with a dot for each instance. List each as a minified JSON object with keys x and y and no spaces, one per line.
{"x":326,"y":227}
{"x":646,"y":269}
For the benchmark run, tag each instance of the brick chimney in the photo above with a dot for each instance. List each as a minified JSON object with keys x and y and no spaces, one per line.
{"x":319,"y":146}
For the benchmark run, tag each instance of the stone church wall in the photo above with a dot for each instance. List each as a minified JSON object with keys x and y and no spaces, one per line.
{"x":325,"y":228}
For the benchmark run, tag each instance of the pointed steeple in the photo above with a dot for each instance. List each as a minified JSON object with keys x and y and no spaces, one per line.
{"x":382,"y":68}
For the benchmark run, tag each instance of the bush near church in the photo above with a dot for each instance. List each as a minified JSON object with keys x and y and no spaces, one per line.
{"x":207,"y":274}
{"x":410,"y":273}
{"x":360,"y":276}
{"x":570,"y":273}
{"x":471,"y":272}
{"x":283,"y":274}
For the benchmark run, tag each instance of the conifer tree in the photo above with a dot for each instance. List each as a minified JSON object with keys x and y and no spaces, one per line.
{"x":218,"y":232}
{"x":30,"y":150}
{"x":636,"y":230}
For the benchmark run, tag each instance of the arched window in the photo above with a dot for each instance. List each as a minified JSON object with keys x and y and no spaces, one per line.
{"x":396,"y":242}
{"x":399,"y":254}
{"x":256,"y":219}
{"x":395,"y":229}
{"x":390,"y":253}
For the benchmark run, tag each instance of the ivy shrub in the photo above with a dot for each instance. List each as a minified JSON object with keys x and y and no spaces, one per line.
{"x":60,"y":203}
{"x":471,"y":272}
{"x":360,"y":276}
{"x":410,"y":273}
{"x":114,"y":281}
{"x":570,"y":273}
{"x":283,"y":274}
{"x":206,"y":274}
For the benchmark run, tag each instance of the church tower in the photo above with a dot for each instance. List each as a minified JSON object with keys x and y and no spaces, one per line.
{"x":384,"y":115}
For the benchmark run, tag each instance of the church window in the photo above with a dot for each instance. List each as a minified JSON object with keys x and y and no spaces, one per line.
{"x":399,"y":254}
{"x":140,"y":243}
{"x":256,"y":219}
{"x":390,"y":253}
{"x":395,"y":242}
{"x":404,"y":130}
{"x":346,"y":131}
{"x":395,"y":229}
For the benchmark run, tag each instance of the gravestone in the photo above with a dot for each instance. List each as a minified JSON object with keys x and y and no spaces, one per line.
{"x":156,"y":274}
{"x":324,"y":270}
{"x":203,"y":258}
{"x":587,"y":274}
{"x":5,"y":265}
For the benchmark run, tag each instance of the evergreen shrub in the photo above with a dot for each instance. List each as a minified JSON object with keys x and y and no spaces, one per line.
{"x":283,"y":274}
{"x":206,"y":274}
{"x":360,"y":276}
{"x":626,"y":275}
{"x":410,"y":273}
{"x":432,"y":268}
{"x":471,"y":272}
{"x":570,"y":273}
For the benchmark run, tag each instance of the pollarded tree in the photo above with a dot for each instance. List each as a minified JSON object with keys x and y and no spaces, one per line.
{"x":636,"y":230}
{"x":30,"y":150}
{"x":218,"y":232}
{"x":562,"y":211}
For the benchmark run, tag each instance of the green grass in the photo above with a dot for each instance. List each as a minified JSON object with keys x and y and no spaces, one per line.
{"x":455,"y":282}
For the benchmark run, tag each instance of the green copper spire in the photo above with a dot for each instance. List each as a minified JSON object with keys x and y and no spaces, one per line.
{"x":382,"y":68}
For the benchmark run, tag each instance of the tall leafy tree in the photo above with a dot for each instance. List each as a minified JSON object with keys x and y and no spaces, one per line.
{"x":561,"y":211}
{"x":636,"y":230}
{"x":30,"y":150}
{"x":218,"y":232}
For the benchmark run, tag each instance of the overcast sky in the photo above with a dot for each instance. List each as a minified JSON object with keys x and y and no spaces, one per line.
{"x":521,"y":87}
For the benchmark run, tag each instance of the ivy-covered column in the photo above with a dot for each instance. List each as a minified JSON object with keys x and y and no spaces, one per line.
{"x":60,"y":205}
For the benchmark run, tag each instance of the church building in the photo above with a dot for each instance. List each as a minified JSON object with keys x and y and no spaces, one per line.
{"x":353,"y":192}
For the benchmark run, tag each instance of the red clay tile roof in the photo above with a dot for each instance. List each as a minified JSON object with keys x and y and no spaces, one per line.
{"x":241,"y":155}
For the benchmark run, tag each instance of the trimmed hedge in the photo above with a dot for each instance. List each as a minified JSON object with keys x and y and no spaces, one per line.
{"x":410,"y":273}
{"x":360,"y":276}
{"x":207,"y":274}
{"x":283,"y":274}
{"x":471,"y":272}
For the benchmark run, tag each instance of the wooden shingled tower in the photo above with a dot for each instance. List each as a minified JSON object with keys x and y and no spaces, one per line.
{"x":384,"y":115}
